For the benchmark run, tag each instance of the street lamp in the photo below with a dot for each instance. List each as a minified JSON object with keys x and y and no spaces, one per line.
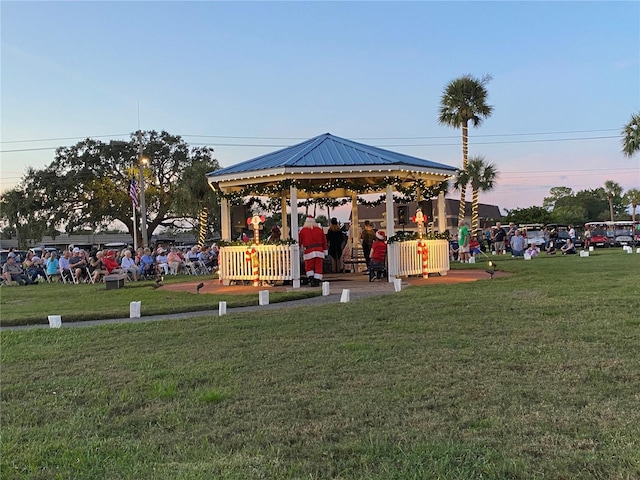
{"x":142,"y":161}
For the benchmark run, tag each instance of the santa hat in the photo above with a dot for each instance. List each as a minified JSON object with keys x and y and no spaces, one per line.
{"x":380,"y":235}
{"x":310,"y":221}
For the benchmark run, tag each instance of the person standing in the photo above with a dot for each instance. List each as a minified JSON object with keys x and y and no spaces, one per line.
{"x":499,"y":237}
{"x":463,"y":242}
{"x":518,"y":242}
{"x":367,"y":237}
{"x":378,"y":256}
{"x":335,"y":240}
{"x":587,"y":237}
{"x":313,"y":244}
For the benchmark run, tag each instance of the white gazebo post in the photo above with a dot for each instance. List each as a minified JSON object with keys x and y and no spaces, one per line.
{"x":391,"y":231}
{"x":285,"y":223}
{"x":295,"y":249}
{"x":354,"y":222}
{"x":442,"y":213}
{"x":225,"y":220}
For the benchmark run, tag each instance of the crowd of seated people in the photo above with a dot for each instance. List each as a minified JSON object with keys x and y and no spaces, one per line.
{"x":77,"y":265}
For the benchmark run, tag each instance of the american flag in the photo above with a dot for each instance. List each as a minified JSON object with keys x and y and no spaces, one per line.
{"x":133,"y":191}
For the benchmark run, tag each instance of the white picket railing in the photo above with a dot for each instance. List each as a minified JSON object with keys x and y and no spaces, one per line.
{"x":404,"y":260}
{"x":274,"y":263}
{"x":282,"y":262}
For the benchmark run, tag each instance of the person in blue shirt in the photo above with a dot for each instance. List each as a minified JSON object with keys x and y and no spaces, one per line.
{"x":518,"y":242}
{"x":147,"y":263}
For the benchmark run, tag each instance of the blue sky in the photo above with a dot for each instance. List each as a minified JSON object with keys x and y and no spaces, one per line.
{"x":566,"y":78}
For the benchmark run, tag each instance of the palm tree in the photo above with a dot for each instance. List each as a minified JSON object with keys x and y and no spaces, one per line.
{"x":464,"y":100}
{"x":632,"y":197}
{"x":613,"y":190}
{"x":482,"y":176}
{"x":631,"y":132}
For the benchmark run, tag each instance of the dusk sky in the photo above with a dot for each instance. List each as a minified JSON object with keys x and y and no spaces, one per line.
{"x":248,"y":78}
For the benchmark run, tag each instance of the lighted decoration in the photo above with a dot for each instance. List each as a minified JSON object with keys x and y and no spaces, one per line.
{"x":251,"y":255}
{"x":422,"y":249}
{"x":255,"y":223}
{"x":202,"y":229}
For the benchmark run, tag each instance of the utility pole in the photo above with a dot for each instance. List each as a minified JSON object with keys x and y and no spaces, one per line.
{"x":143,"y":202}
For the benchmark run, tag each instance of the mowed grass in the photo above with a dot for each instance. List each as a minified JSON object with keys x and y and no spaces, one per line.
{"x":33,"y":304}
{"x":531,"y":376}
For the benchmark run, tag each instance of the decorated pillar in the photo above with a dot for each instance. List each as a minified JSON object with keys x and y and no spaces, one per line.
{"x":422,"y":249}
{"x":202,"y":228}
{"x":251,"y":255}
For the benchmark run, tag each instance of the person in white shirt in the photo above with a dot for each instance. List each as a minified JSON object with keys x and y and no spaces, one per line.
{"x":128,"y":265}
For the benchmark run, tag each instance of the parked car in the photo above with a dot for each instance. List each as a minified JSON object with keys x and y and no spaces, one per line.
{"x":534,"y":234}
{"x":562,"y":232}
{"x":20,"y":256}
{"x":623,"y":237}
{"x":601,"y":237}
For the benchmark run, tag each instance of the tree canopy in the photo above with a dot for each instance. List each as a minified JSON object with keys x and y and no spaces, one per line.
{"x":631,"y":136}
{"x":87,"y":186}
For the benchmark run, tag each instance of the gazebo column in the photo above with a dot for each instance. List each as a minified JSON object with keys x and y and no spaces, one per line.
{"x":391,"y":221}
{"x":354,"y":221}
{"x":295,"y":249}
{"x":225,"y":220}
{"x":285,"y":222}
{"x":442,"y":213}
{"x":391,"y":231}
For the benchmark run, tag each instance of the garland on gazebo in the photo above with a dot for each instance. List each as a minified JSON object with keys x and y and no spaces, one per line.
{"x":408,"y":193}
{"x":408,"y":236}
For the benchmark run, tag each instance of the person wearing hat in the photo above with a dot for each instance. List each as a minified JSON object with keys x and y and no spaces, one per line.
{"x":12,"y":272}
{"x":378,"y":256}
{"x":110,"y":264}
{"x":313,"y":244}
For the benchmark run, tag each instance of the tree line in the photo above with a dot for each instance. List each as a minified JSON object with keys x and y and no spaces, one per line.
{"x":86,"y":187}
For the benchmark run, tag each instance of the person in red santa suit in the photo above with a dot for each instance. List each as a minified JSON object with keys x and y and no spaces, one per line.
{"x":313,"y":243}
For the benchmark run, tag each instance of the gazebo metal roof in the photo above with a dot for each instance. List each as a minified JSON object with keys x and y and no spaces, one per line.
{"x":329,"y":157}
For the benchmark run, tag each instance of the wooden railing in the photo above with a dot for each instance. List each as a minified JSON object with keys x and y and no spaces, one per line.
{"x":274,"y":263}
{"x":405,"y":261}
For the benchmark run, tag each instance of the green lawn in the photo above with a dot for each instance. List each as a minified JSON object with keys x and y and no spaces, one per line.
{"x":33,"y":304}
{"x":531,"y":376}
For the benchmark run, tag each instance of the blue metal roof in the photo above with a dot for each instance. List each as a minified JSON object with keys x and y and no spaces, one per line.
{"x":329,"y":151}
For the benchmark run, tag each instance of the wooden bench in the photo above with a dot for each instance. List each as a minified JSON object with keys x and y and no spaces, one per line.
{"x":357,"y":257}
{"x":115,"y":281}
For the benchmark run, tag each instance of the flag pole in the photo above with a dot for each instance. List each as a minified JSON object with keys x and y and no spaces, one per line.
{"x":135,"y":229}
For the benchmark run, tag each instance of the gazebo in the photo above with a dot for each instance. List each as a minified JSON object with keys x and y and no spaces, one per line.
{"x":327,"y":167}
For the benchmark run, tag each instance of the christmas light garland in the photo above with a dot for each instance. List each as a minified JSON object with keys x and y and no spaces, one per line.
{"x":409,"y":193}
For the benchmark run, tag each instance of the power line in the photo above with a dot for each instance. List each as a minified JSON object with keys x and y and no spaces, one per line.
{"x":479,"y":135}
{"x":64,"y":138}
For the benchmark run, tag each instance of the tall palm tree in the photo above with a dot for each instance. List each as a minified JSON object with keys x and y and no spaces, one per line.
{"x":613,"y":190}
{"x":631,"y":139}
{"x":632,"y":197}
{"x":482,"y":176}
{"x":464,"y":100}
